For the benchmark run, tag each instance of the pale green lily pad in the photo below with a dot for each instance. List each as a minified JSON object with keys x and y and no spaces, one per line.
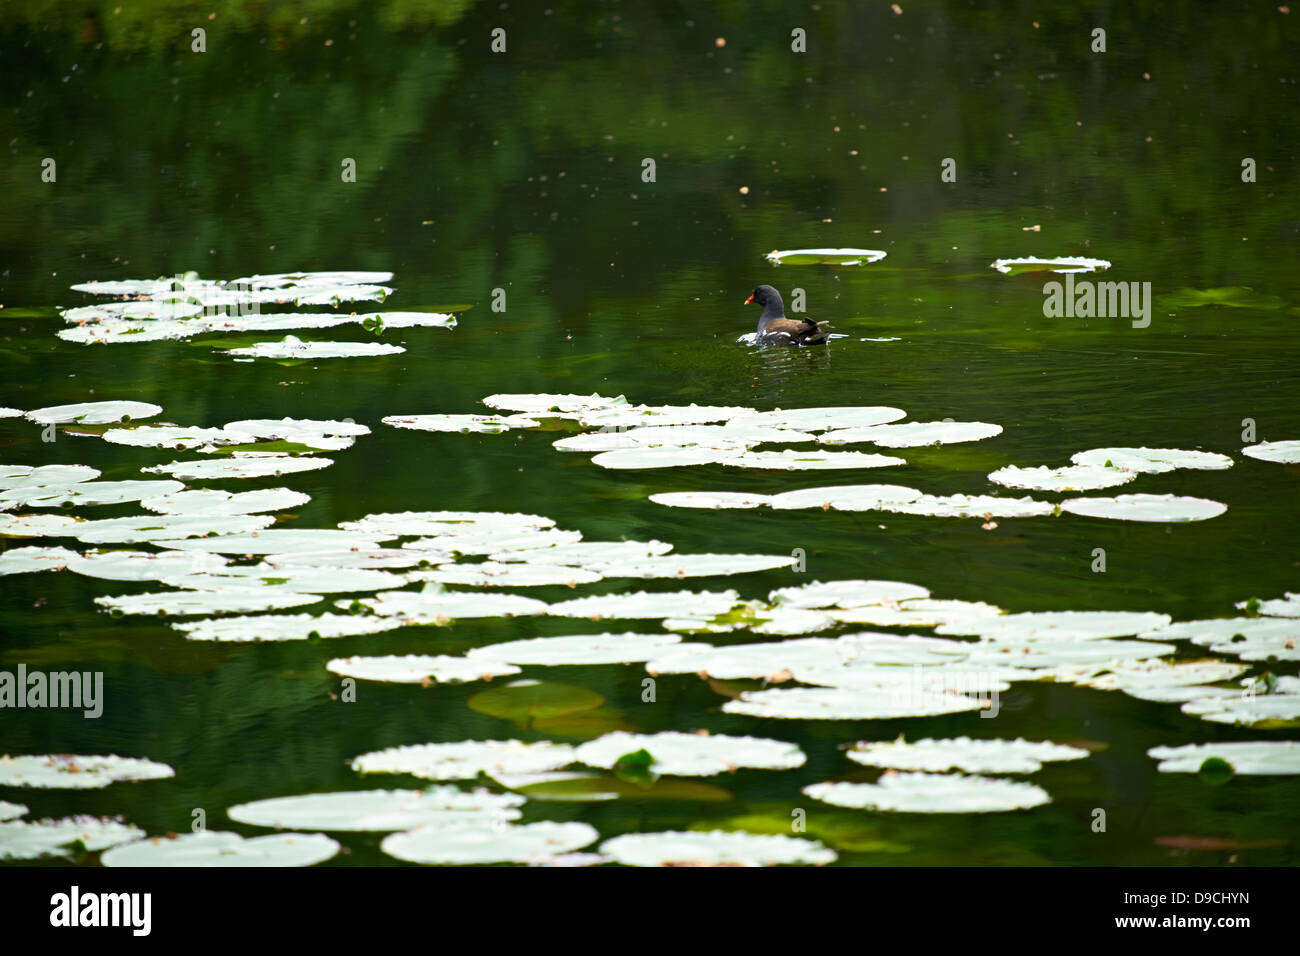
{"x":720,"y":438}
{"x":481,"y":424}
{"x":489,"y":541}
{"x":1151,"y":461}
{"x":1287,"y":606}
{"x":711,"y":499}
{"x":506,"y":843}
{"x":790,"y":460}
{"x":582,"y":787}
{"x":1061,"y":264}
{"x":283,"y":627}
{"x":433,"y":605}
{"x":227,"y":600}
{"x":23,"y":560}
{"x":107,"y":331}
{"x":11,"y":811}
{"x":143,"y":565}
{"x":913,"y":434}
{"x":663,"y":457}
{"x":493,"y":574}
{"x":133,"y":309}
{"x":817,"y":703}
{"x":932,"y":793}
{"x":181,"y":437}
{"x":94,"y":413}
{"x":821,"y":419}
{"x":971,"y":506}
{"x":693,"y":565}
{"x":27,"y":476}
{"x":366,"y":558}
{"x":791,"y":620}
{"x":217,"y":848}
{"x":552,"y":403}
{"x":276,"y":540}
{"x":86,"y":493}
{"x":962,"y":753}
{"x":35,"y":840}
{"x":636,"y":416}
{"x":845,"y":594}
{"x":281,"y":280}
{"x":39,"y":526}
{"x":1058,"y":625}
{"x":1225,"y":629}
{"x":145,"y":287}
{"x":323,"y":435}
{"x":1130,"y":676}
{"x":1282,"y":452}
{"x":1255,"y":757}
{"x":418,"y":669}
{"x":647,"y":605}
{"x":213,"y":502}
{"x":578,"y":649}
{"x":377,"y":811}
{"x":763,"y":660}
{"x":1045,"y":654}
{"x":692,"y":755}
{"x":586,"y":553}
{"x":7,"y":412}
{"x":845,"y":497}
{"x":950,"y":677}
{"x":1245,"y":710}
{"x":466,"y":759}
{"x":834,"y":257}
{"x":302,"y":579}
{"x":412,"y":523}
{"x":77,"y":772}
{"x":179,"y":531}
{"x":1068,"y":478}
{"x":917,"y":612}
{"x":1146,"y":508}
{"x":241,"y":466}
{"x":715,"y":848}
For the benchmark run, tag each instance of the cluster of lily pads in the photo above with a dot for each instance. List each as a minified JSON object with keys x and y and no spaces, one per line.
{"x":151,"y":310}
{"x":229,"y":574}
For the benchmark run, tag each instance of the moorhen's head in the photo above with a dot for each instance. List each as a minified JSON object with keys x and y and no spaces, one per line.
{"x":769,"y":299}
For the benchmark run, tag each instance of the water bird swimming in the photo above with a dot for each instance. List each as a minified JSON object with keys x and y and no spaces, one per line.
{"x":775,"y":329}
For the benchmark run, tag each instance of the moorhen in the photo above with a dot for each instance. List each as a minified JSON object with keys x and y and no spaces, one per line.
{"x":775,"y":329}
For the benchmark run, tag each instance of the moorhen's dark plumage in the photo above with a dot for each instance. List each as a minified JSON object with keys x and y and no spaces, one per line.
{"x":775,"y":329}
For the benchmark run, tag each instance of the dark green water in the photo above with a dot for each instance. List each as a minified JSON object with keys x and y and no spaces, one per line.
{"x":522,"y":171}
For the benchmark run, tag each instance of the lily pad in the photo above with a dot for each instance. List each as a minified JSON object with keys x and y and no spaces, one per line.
{"x":1068,"y":478}
{"x":34,"y":840}
{"x":275,"y":540}
{"x":817,"y":703}
{"x":176,"y":436}
{"x":465,"y":760}
{"x":694,"y":565}
{"x":1283,"y":452}
{"x":1288,"y":606}
{"x":365,"y":558}
{"x":301,"y":579}
{"x":931,"y":793}
{"x":971,"y":506}
{"x":26,"y":476}
{"x":962,"y":753}
{"x":23,"y":560}
{"x":482,"y":424}
{"x":578,"y":649}
{"x":692,"y":755}
{"x":822,"y":419}
{"x":434,"y":606}
{"x":917,"y":612}
{"x":586,"y":553}
{"x":143,"y":565}
{"x":227,"y":600}
{"x":663,"y":457}
{"x":250,"y":466}
{"x":524,"y":701}
{"x":283,"y":627}
{"x":710,"y":499}
{"x":1061,"y":264}
{"x":86,"y":493}
{"x":419,"y":669}
{"x":838,"y":257}
{"x":913,"y":434}
{"x":647,"y":605}
{"x":11,"y":811}
{"x":1268,"y":758}
{"x":77,"y":772}
{"x":543,"y":402}
{"x":1058,"y":625}
{"x":845,"y":497}
{"x":506,"y":843}
{"x":213,"y":502}
{"x":379,"y":810}
{"x":715,"y":848}
{"x":39,"y":526}
{"x":218,"y":848}
{"x":1145,"y":508}
{"x":493,"y":574}
{"x":94,"y":413}
{"x":790,"y":460}
{"x":1151,"y":461}
{"x":174,"y":529}
{"x":849,"y":593}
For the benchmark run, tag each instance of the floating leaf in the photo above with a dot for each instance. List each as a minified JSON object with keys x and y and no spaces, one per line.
{"x":226,"y":600}
{"x":505,"y":843}
{"x":913,"y":434}
{"x":931,"y":793}
{"x":379,"y":810}
{"x":1058,"y":625}
{"x":77,"y":772}
{"x":710,"y":499}
{"x":1145,"y":508}
{"x":1151,"y":461}
{"x":823,"y":418}
{"x":33,"y":840}
{"x":419,"y":669}
{"x":692,"y":755}
{"x":94,"y":413}
{"x":642,"y":604}
{"x":23,"y":560}
{"x":483,"y":424}
{"x":213,"y":502}
{"x":962,"y":753}
{"x":466,"y":759}
{"x":1283,"y":452}
{"x":1272,"y":757}
{"x":850,"y":593}
{"x":839,"y":257}
{"x":578,"y":649}
{"x":527,"y":700}
{"x":217,"y":848}
{"x":1069,"y":478}
{"x":1063,"y":264}
{"x":259,"y":466}
{"x":86,"y":493}
{"x":816,"y":703}
{"x":283,"y":627}
{"x":716,"y":848}
{"x":26,"y":476}
{"x":790,"y":460}
{"x":278,"y":540}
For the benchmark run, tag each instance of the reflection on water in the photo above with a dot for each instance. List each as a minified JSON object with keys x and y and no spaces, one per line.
{"x":779,"y":370}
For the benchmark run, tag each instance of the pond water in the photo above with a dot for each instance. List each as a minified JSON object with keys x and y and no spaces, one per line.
{"x":524,"y":172}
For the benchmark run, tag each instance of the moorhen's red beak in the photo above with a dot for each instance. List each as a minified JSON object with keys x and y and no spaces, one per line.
{"x":750,"y":299}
